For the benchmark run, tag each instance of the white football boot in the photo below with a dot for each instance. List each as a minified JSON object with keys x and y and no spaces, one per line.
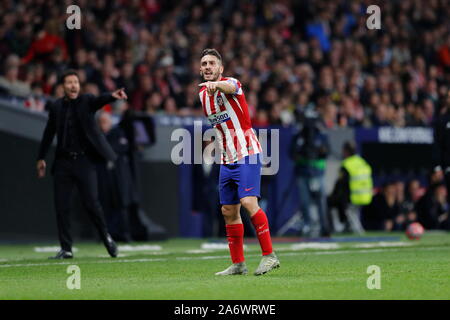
{"x":234,"y":269}
{"x":268,"y":263}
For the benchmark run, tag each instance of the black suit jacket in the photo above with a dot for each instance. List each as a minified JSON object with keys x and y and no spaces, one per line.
{"x":86,"y":106}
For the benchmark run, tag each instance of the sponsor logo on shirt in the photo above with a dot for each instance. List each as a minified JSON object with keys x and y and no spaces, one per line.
{"x":218,"y":118}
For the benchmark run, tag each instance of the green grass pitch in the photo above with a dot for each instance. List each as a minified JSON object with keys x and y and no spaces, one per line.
{"x":180,"y":269}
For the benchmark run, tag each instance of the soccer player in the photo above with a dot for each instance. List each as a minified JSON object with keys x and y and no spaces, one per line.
{"x":224,"y":104}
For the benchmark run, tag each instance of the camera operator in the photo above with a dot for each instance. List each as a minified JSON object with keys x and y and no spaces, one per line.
{"x":309,"y":150}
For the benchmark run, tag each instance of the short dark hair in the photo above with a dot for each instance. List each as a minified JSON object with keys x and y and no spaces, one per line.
{"x":212,"y":52}
{"x":350,"y":147}
{"x":69,"y":72}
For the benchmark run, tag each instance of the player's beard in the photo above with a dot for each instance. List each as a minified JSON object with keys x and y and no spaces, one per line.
{"x":215,"y":77}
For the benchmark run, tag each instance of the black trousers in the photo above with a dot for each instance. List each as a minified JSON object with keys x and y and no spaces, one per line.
{"x":77,"y":172}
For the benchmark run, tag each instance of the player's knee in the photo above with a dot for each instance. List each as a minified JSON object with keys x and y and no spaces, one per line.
{"x":249,"y":203}
{"x":227,"y":211}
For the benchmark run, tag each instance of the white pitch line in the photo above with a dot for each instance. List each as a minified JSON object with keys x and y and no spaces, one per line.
{"x":218,"y":257}
{"x":315,"y":245}
{"x":132,"y":248}
{"x":122,"y":248}
{"x":383,"y":244}
{"x":51,"y":249}
{"x":208,"y":257}
{"x":217,"y":246}
{"x":199,"y":251}
{"x":84,"y":262}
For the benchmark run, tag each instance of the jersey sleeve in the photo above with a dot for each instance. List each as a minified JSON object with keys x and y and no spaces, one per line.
{"x":236,"y":84}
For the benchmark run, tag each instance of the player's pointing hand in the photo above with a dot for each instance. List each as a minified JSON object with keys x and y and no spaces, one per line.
{"x":211,"y":86}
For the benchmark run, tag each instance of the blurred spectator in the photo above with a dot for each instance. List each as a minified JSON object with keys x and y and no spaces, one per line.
{"x":143,"y":88}
{"x":407,"y":211}
{"x":9,"y":82}
{"x":433,"y":208}
{"x":397,"y":77}
{"x":153,"y":103}
{"x":170,"y":106}
{"x":444,"y":53}
{"x":45,"y":45}
{"x":383,"y":210}
{"x":414,"y":191}
{"x":329,"y":115}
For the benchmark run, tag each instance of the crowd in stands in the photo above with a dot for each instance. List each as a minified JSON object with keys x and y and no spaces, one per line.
{"x":397,"y":204}
{"x":289,"y":55}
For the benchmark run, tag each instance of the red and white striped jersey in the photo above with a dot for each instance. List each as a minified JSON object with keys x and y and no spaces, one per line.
{"x":228,"y":114}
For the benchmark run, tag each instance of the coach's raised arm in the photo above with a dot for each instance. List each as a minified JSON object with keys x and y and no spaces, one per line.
{"x":100,"y":101}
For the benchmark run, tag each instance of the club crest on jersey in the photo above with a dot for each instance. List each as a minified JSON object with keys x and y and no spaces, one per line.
{"x":218,"y":118}
{"x":219,"y":100}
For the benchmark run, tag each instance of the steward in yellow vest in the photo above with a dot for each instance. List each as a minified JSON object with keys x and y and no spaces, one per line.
{"x":353,"y":186}
{"x":360,"y":180}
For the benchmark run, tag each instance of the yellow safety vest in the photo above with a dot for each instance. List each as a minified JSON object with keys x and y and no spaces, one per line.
{"x":360,"y":180}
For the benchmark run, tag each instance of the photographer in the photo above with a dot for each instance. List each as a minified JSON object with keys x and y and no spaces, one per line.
{"x":309,"y":150}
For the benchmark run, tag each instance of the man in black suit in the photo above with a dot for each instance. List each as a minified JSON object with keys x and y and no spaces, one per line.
{"x":80,"y":145}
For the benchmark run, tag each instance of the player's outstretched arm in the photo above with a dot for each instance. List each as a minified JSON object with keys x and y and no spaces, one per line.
{"x":223,"y":86}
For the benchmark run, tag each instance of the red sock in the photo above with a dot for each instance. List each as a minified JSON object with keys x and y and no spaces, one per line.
{"x":261,"y":225}
{"x":235,"y":236}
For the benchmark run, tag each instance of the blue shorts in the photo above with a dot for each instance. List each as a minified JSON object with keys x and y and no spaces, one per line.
{"x":240,"y":179}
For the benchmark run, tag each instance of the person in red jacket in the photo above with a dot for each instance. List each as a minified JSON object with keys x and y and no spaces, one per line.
{"x":444,"y":53}
{"x":44,"y":46}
